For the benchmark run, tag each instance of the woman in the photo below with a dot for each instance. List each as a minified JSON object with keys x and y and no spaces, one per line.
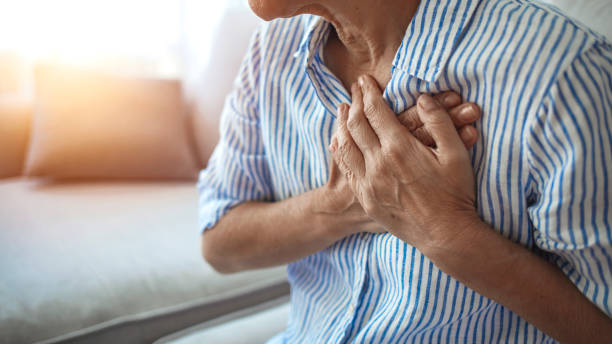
{"x":395,"y":244}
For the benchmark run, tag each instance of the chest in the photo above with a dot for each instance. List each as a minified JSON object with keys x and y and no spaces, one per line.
{"x":298,"y":120}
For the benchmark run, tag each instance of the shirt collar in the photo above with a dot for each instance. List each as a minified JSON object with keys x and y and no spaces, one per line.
{"x":316,"y":29}
{"x":432,"y":35}
{"x":427,"y":43}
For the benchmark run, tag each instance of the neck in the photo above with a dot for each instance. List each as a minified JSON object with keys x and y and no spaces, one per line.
{"x":370,"y":31}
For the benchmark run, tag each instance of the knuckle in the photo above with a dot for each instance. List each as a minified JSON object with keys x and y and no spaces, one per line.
{"x":353,"y":123}
{"x":345,"y":171}
{"x":343,"y":146}
{"x":375,"y":121}
{"x":344,"y":149}
{"x":370,"y":107}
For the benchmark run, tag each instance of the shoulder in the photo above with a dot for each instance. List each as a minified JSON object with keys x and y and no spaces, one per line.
{"x":528,"y":40}
{"x":568,"y":40}
{"x":515,"y":14}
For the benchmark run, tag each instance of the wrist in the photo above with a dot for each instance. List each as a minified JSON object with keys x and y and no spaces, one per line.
{"x":328,"y":216}
{"x":336,"y":215}
{"x":453,"y":235}
{"x":477,"y":255}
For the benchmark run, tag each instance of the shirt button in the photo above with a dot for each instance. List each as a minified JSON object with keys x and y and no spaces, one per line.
{"x":351,"y":308}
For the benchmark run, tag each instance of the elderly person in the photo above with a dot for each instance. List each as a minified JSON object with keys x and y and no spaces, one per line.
{"x":394,"y":232}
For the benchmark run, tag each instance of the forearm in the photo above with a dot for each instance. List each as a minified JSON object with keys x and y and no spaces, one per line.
{"x":263,"y":234}
{"x":523,"y":282}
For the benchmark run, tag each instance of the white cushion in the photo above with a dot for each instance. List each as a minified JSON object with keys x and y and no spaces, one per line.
{"x":77,"y":255}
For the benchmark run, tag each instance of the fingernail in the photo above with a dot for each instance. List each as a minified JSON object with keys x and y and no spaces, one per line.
{"x":467,"y":113}
{"x":361,"y":80}
{"x":450,"y":99}
{"x":427,"y":102}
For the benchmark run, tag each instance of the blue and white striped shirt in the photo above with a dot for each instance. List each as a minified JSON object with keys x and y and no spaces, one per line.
{"x":542,"y":164}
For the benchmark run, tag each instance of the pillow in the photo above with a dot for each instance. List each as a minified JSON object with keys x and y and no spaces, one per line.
{"x":15,"y":117}
{"x":87,"y":124}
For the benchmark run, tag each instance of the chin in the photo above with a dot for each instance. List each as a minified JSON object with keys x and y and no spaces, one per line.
{"x":273,"y":9}
{"x":269,"y":9}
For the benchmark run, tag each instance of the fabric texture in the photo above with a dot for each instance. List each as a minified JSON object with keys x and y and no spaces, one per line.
{"x":101,"y":256}
{"x":95,"y":125}
{"x":15,"y":119}
{"x":542,"y":164}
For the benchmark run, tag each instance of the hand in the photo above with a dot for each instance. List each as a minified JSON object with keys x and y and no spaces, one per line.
{"x":462,"y":114}
{"x":415,"y":191}
{"x":338,"y":198}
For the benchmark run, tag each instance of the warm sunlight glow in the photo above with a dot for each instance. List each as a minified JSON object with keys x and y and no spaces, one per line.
{"x":93,"y":31}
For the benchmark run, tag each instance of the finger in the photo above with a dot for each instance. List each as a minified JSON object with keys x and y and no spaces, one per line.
{"x":339,"y":167}
{"x":468,"y":135}
{"x":439,"y":124}
{"x":465,"y":113}
{"x":423,"y":135}
{"x":410,"y":118}
{"x":382,"y":119}
{"x":448,"y":99}
{"x":347,"y":152}
{"x":362,"y":133}
{"x":334,"y":173}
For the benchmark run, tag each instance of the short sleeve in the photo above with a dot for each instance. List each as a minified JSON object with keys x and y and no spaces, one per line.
{"x":237,"y":170}
{"x":570,"y":161}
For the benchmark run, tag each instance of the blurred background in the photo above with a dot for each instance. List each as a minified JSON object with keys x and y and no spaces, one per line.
{"x":136,"y":37}
{"x":103,"y":44}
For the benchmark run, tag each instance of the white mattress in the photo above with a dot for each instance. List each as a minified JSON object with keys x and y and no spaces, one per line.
{"x":82,"y":254}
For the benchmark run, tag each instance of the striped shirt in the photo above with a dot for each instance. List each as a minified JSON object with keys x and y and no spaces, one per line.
{"x":542,"y":165}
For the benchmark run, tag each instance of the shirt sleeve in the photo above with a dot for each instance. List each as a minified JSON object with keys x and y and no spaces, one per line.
{"x":570,"y":161}
{"x":237,"y":170}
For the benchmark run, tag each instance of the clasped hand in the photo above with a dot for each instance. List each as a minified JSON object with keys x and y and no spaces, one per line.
{"x":416,"y":184}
